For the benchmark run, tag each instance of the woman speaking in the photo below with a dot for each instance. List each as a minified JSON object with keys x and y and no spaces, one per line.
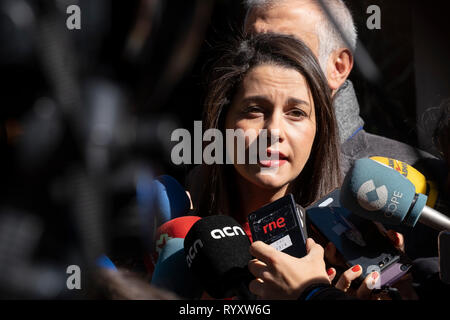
{"x":270,"y":84}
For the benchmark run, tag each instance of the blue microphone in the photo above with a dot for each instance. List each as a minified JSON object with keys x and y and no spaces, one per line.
{"x":377,"y":192}
{"x":104,"y":262}
{"x":172,"y":273}
{"x":170,"y":199}
{"x":159,"y":200}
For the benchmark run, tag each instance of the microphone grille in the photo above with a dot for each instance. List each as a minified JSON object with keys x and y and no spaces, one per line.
{"x":217,"y":252}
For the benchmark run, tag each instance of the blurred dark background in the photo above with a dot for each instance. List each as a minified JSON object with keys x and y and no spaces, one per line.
{"x":149,"y":59}
{"x":411,"y":49}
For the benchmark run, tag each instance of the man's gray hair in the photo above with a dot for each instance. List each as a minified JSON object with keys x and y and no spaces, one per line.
{"x":328,"y":36}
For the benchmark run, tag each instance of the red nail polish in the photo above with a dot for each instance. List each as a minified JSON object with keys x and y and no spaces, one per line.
{"x":356,"y":268}
{"x":374,"y":275}
{"x":330,"y":271}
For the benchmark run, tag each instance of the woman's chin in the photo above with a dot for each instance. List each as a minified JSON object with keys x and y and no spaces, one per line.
{"x":270,"y":182}
{"x":265,"y":178}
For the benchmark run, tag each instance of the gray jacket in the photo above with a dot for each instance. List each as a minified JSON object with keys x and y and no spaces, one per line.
{"x":356,"y":143}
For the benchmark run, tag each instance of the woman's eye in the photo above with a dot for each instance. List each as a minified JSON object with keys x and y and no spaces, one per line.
{"x":297,"y":113}
{"x":253,"y":110}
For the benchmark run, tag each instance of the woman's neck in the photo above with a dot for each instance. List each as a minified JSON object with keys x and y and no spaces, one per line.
{"x":252,"y":197}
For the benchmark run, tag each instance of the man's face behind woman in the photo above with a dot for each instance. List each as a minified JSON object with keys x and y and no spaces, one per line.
{"x":274,"y":97}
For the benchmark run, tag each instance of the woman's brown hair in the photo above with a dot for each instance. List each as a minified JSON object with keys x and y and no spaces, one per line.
{"x":321,"y":173}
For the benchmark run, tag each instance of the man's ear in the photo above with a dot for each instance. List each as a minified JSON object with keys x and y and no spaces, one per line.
{"x":339,"y":67}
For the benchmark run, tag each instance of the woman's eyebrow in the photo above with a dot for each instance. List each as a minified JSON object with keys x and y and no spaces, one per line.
{"x":257,"y":98}
{"x":295,"y":101}
{"x":265,"y":99}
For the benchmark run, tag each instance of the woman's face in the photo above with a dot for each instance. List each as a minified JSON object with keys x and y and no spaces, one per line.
{"x":274,"y":97}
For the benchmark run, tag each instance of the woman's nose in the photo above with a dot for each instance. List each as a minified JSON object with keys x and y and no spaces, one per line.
{"x":274,"y":127}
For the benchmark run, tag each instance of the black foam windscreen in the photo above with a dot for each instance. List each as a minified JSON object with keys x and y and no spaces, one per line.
{"x":217,"y":252}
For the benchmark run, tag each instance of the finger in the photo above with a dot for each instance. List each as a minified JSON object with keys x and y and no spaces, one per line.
{"x":397,"y":239}
{"x":331,"y":274}
{"x":259,"y":269}
{"x":347,"y":277}
{"x":314,"y":249}
{"x":264,"y":252}
{"x":370,"y":282}
{"x":309,"y":244}
{"x":257,"y":287}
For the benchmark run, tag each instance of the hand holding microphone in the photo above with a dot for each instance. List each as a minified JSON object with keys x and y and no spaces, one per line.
{"x":282,"y":276}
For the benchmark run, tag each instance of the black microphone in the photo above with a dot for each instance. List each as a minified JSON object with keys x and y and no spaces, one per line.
{"x":217,"y":253}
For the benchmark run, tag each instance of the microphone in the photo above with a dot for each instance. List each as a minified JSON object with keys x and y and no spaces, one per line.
{"x":172,"y":273}
{"x":105,"y":263}
{"x":377,"y":192}
{"x":420,"y":182}
{"x":170,"y":199}
{"x":217,"y":253}
{"x":161,"y":199}
{"x":175,"y":228}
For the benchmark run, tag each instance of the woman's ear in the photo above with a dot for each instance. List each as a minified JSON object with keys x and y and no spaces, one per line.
{"x":339,"y":67}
